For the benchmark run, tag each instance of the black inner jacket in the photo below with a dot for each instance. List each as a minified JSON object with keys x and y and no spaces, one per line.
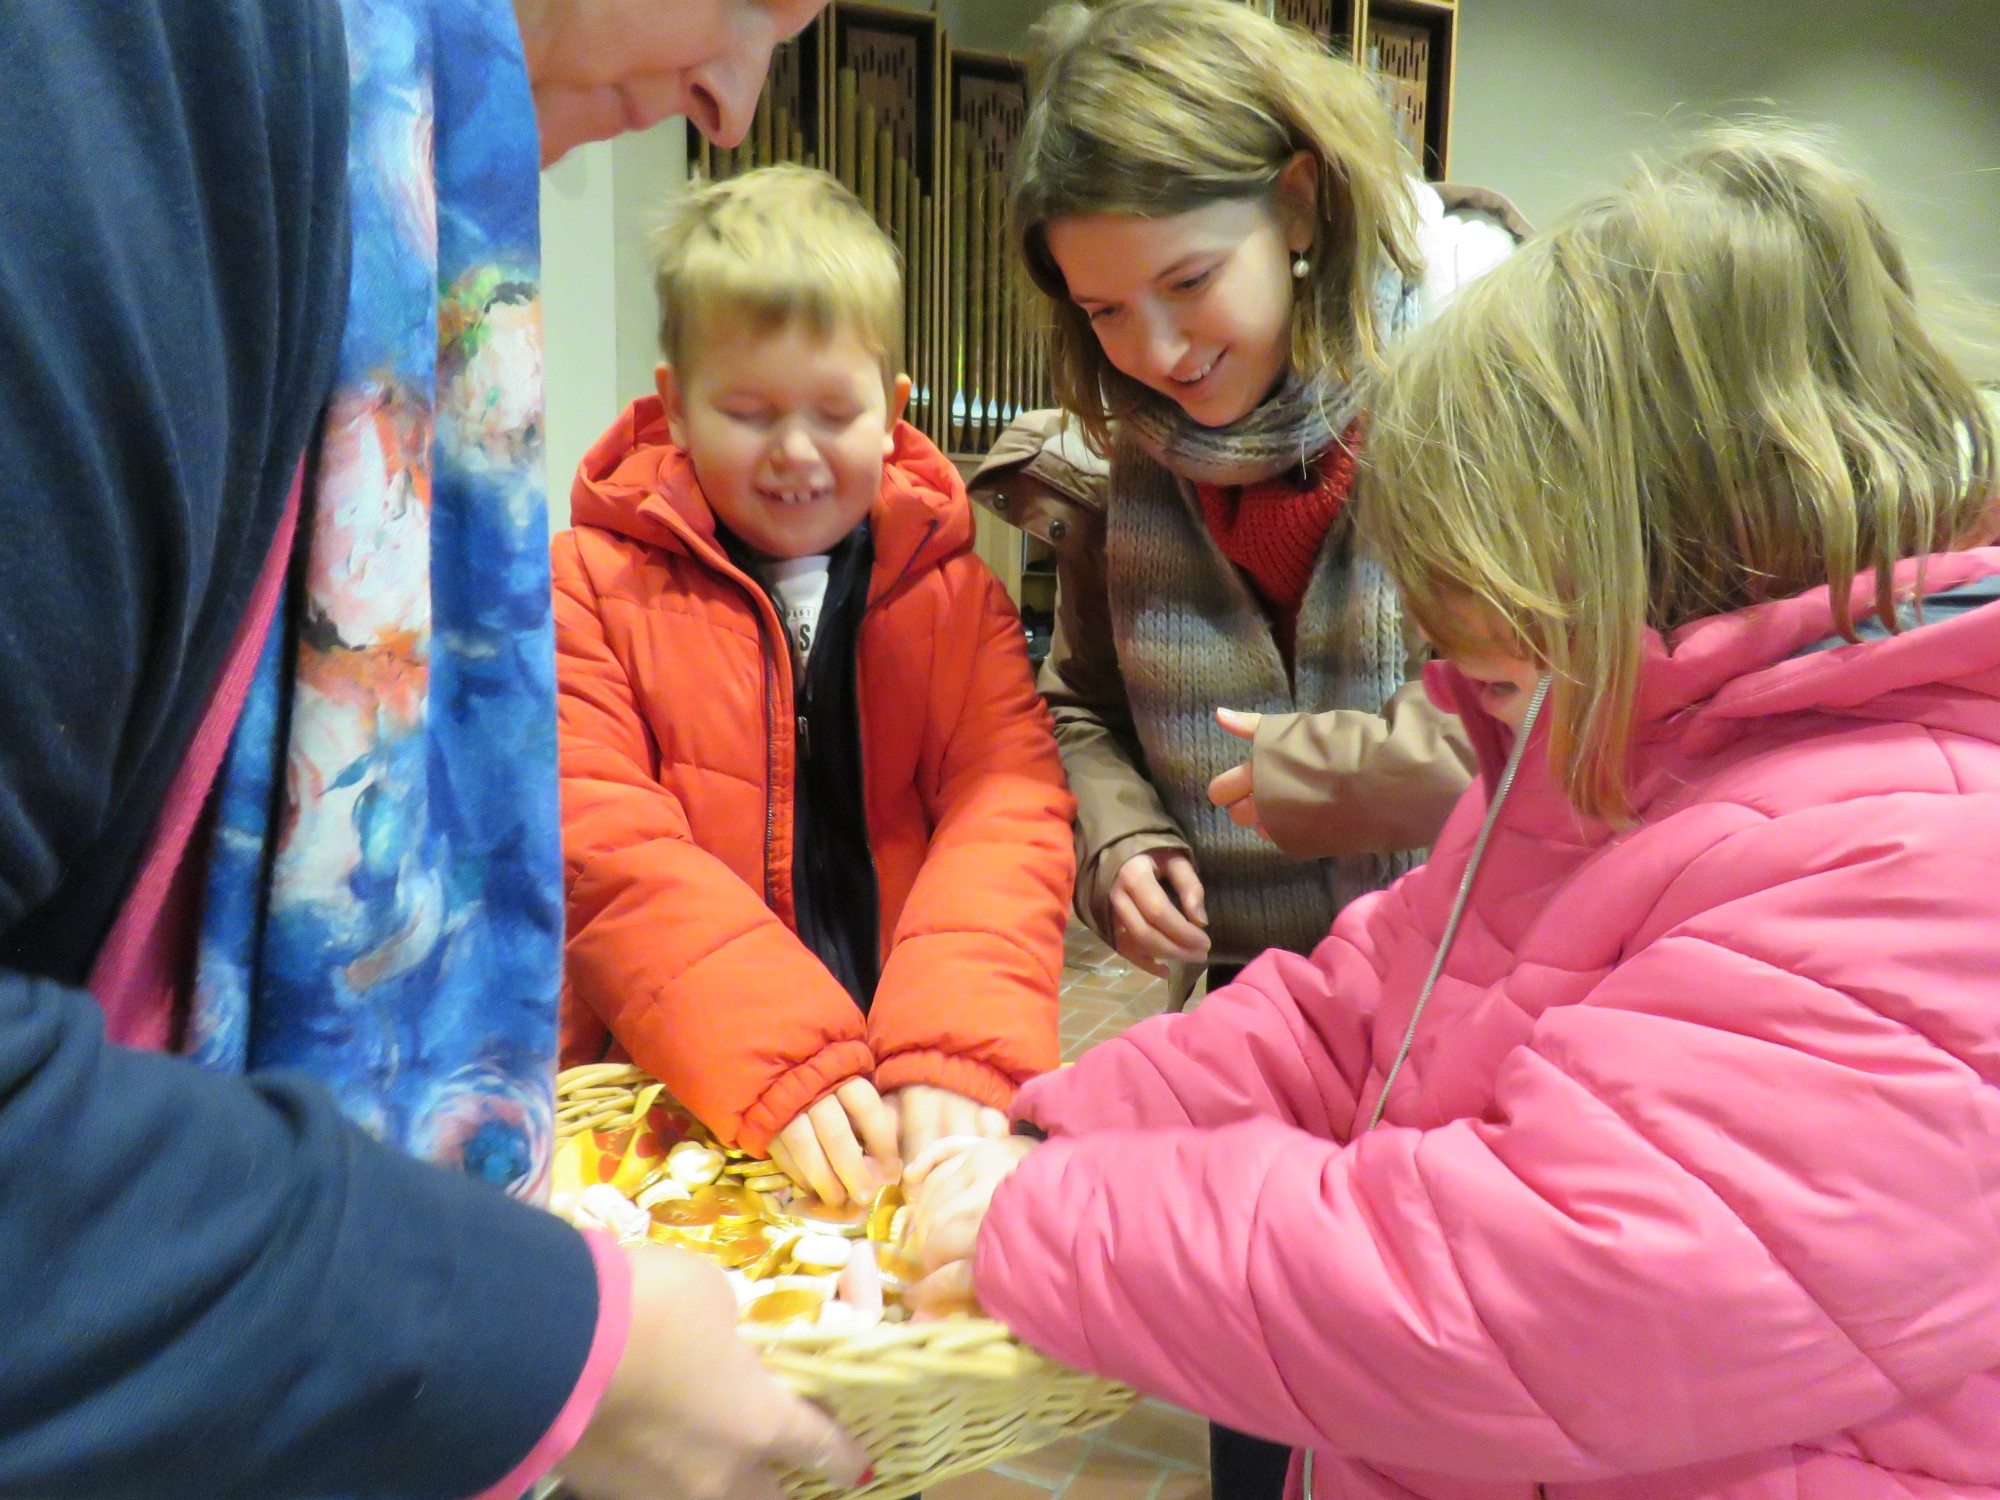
{"x":834,"y":889}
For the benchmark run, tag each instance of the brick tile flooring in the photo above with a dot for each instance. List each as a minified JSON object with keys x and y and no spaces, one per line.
{"x":1101,"y":993}
{"x":1154,"y":1452}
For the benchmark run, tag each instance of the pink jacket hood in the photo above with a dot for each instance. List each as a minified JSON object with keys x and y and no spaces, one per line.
{"x":1689,"y":1184}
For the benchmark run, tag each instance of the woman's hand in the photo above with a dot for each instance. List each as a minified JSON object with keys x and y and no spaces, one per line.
{"x":1234,"y":790}
{"x":842,"y":1147}
{"x":690,"y":1413}
{"x":1152,"y":927}
{"x":951,"y":1187}
{"x":925,"y":1115}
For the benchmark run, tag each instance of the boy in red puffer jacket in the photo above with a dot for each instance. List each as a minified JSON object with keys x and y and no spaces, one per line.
{"x":817,"y":839}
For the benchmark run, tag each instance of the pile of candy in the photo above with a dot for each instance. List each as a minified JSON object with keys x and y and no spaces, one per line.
{"x":790,"y":1258}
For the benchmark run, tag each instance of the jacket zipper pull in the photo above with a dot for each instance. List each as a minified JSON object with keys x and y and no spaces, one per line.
{"x":805,"y":738}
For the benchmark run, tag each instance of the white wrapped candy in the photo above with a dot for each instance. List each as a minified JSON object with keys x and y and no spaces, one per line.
{"x":821,"y":1252}
{"x":666,"y":1190}
{"x":844,"y":1318}
{"x":617,"y":1213}
{"x":694,"y":1165}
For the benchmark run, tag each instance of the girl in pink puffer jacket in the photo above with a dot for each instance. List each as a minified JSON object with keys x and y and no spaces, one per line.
{"x":1646,"y":1141}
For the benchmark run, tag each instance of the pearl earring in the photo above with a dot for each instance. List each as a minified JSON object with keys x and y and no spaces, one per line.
{"x":1300,"y":266}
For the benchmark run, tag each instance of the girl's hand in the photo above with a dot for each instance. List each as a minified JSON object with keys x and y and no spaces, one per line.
{"x":1233,"y":790}
{"x":1151,"y":926}
{"x":689,"y":1411}
{"x":951,"y":1187}
{"x":926,"y":1114}
{"x":842,"y":1147}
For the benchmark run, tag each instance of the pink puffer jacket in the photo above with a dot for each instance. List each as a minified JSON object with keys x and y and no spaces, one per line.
{"x":1690,"y":1185}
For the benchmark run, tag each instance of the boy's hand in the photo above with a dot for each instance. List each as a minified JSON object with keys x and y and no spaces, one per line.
{"x":926,"y":1114}
{"x":690,"y":1411}
{"x":842,"y":1147}
{"x":951,"y":1187}
{"x":1233,"y":790}
{"x":1153,"y":927}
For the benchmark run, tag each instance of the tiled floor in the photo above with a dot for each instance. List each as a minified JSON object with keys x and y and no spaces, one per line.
{"x":1101,"y":993}
{"x":1154,"y":1452}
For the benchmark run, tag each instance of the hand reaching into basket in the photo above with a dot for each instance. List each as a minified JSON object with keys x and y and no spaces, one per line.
{"x":690,"y":1414}
{"x":950,"y":1188}
{"x":843,"y":1147}
{"x":926,"y":1115}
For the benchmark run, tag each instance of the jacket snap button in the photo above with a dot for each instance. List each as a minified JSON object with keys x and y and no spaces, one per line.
{"x":1058,"y":529}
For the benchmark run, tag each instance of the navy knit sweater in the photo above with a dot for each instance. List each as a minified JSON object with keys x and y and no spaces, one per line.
{"x":207,"y":1286}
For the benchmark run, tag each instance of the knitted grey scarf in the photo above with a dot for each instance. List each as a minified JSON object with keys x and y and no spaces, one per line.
{"x":1191,"y":638}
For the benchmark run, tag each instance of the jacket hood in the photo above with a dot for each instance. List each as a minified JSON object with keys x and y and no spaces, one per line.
{"x":1786,"y":656}
{"x":637,"y":482}
{"x":1940,"y":668}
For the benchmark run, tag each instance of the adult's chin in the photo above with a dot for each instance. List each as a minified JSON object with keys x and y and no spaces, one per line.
{"x":568,"y":117}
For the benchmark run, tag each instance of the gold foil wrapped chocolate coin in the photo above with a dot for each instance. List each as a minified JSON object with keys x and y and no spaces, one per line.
{"x":688,"y":1213}
{"x":786,"y":1305}
{"x":882,"y":1213}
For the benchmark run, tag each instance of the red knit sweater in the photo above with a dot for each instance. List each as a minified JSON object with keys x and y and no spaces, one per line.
{"x":1273,"y":530}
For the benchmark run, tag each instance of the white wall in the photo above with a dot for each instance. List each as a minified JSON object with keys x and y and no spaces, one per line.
{"x":598,"y":321}
{"x":1555,"y":96}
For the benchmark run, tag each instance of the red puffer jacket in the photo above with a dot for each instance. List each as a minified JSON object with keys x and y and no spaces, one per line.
{"x":677,"y":782}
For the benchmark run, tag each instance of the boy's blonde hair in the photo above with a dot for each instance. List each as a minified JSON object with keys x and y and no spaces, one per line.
{"x":773,"y":245}
{"x":1159,"y":107}
{"x":1710,"y":389}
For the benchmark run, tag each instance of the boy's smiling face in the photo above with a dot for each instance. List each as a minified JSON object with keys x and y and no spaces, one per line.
{"x":786,"y":428}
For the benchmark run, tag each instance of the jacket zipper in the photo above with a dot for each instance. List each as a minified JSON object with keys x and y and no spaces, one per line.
{"x":861,"y":728}
{"x":706,"y":550}
{"x":761,"y":605}
{"x":771,"y":689}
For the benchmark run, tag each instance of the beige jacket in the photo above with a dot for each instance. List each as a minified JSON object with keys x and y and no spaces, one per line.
{"x":1326,"y":784}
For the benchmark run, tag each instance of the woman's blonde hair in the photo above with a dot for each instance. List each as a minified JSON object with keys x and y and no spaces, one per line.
{"x":1158,"y":107}
{"x":1710,"y":389}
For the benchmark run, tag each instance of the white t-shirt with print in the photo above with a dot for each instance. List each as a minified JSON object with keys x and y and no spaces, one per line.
{"x":798,"y":587}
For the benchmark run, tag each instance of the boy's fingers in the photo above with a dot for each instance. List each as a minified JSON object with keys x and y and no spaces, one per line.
{"x":843,"y":1152}
{"x":811,"y":1157}
{"x":782,"y":1159}
{"x":874,"y":1120}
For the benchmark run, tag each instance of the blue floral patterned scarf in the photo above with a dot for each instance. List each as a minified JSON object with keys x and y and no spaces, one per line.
{"x":384,"y":897}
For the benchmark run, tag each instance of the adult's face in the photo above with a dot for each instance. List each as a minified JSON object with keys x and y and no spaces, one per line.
{"x":602,"y":67}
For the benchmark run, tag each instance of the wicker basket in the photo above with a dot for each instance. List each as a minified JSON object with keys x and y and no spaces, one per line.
{"x":927,"y":1400}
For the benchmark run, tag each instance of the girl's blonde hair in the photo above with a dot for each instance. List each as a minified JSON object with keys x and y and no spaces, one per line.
{"x":1710,"y":389}
{"x":1158,"y":107}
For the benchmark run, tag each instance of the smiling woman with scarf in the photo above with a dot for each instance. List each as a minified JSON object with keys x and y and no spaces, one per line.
{"x":1229,"y":235}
